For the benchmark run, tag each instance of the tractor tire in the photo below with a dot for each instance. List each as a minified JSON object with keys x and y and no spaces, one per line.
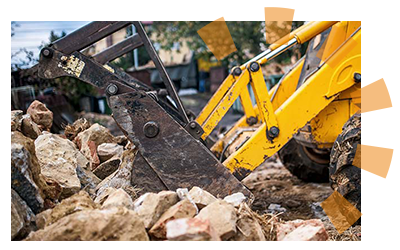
{"x":304,"y":162}
{"x":344,"y":177}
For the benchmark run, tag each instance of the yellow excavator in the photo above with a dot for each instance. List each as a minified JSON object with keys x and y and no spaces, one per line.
{"x":310,"y":118}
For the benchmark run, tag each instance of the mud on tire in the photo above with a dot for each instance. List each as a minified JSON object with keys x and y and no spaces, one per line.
{"x":344,"y":177}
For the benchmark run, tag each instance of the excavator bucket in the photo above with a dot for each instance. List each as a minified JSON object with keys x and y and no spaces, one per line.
{"x":171,"y":153}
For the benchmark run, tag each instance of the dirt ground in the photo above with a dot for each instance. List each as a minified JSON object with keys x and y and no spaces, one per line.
{"x":276,"y":190}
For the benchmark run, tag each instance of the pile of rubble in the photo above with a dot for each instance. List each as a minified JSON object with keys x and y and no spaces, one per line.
{"x":77,"y":186}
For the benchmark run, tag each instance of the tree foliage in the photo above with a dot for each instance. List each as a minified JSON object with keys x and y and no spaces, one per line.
{"x":248,"y":36}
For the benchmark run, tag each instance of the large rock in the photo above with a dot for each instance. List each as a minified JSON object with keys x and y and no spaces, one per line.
{"x":72,"y":130}
{"x":116,"y":223}
{"x":25,"y":171}
{"x":151,"y":206}
{"x":41,"y":115}
{"x":302,"y":230}
{"x":58,"y":158}
{"x":78,"y":202}
{"x":108,"y":150}
{"x":201,"y":197}
{"x":222,"y":217}
{"x":122,"y":177}
{"x":90,"y":139}
{"x":118,"y":198}
{"x":16,"y":120}
{"x":182,"y":209}
{"x":22,"y":217}
{"x":29,"y":128}
{"x":191,"y":229}
{"x":235,"y":199}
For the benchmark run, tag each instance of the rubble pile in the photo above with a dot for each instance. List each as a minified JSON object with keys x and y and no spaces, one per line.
{"x":77,"y":186}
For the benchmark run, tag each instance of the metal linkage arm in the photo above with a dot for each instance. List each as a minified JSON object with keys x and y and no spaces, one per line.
{"x":119,"y":49}
{"x":87,"y":35}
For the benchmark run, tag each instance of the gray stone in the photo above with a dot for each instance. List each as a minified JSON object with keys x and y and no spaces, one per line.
{"x":22,"y":217}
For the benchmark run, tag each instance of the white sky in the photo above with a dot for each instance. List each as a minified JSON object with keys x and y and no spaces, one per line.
{"x":31,"y":34}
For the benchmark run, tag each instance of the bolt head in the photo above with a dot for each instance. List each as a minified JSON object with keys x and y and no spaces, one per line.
{"x":192,"y":125}
{"x":274,"y":131}
{"x":237,"y":71}
{"x":112,"y":89}
{"x":254,"y":66}
{"x":150,"y":129}
{"x":46,"y":52}
{"x":357,"y":77}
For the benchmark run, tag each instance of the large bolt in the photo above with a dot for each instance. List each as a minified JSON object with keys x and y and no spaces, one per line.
{"x":192,"y":125}
{"x":237,"y":71}
{"x":357,"y":77}
{"x":150,"y":129}
{"x":46,"y":52}
{"x":112,"y":89}
{"x":251,"y":120}
{"x":274,"y":132}
{"x":254,"y":66}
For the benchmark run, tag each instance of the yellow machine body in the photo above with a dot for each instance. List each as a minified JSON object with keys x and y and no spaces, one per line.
{"x":312,"y":110}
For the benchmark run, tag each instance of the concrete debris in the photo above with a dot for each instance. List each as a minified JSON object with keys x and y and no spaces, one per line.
{"x":191,"y":229}
{"x":22,"y":217}
{"x":58,"y":161}
{"x":235,"y":199}
{"x":118,"y":198}
{"x":78,"y":186}
{"x":25,"y":171}
{"x":151,"y":206}
{"x":201,"y":197}
{"x":116,"y":223}
{"x":222,"y":217}
{"x":108,"y":150}
{"x":89,"y":139}
{"x":300,"y":230}
{"x":41,"y":115}
{"x":182,"y":209}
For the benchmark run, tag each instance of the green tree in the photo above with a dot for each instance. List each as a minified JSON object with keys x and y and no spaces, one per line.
{"x":248,"y":36}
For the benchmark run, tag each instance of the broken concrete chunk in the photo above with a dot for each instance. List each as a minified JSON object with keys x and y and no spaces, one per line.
{"x":58,"y":160}
{"x":235,"y":199}
{"x":151,"y":206}
{"x":108,"y":150}
{"x":29,"y":128}
{"x":41,"y":115}
{"x":222,"y":217}
{"x":201,"y":197}
{"x":122,"y":177}
{"x":118,"y":198}
{"x":22,"y":217}
{"x":191,"y":229}
{"x":117,"y":223}
{"x":16,"y":120}
{"x":182,"y":209}
{"x":25,"y":171}
{"x":78,"y":202}
{"x":89,"y":139}
{"x":72,"y":130}
{"x":302,"y":230}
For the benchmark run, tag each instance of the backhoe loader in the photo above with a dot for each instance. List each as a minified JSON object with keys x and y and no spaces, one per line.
{"x":300,"y":118}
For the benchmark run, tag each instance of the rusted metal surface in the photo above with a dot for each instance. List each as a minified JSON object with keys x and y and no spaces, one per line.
{"x":173,"y":154}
